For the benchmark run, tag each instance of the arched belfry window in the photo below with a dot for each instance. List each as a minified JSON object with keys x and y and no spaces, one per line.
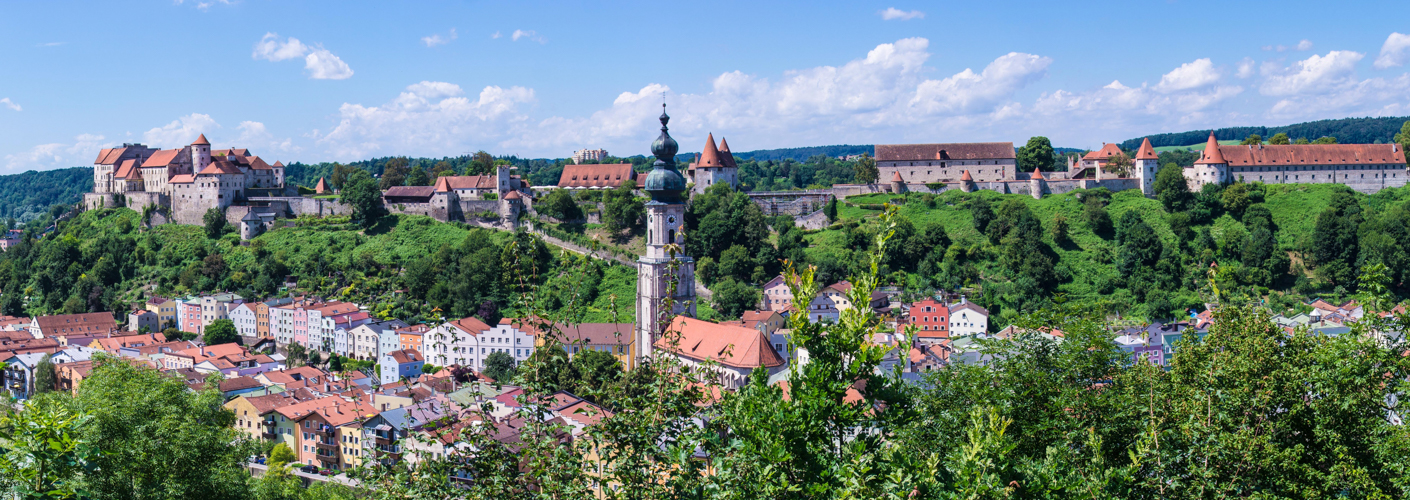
{"x":671,"y":236}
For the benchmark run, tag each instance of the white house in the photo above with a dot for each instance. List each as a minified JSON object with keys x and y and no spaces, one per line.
{"x":245,"y":320}
{"x":967,"y":318}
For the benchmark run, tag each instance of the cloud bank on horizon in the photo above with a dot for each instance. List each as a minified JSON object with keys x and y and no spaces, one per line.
{"x":890,"y":94}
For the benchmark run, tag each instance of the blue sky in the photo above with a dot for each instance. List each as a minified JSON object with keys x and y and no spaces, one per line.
{"x":316,"y":81}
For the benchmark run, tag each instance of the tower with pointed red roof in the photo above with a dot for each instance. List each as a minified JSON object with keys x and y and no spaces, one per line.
{"x":1146,"y":167}
{"x":1211,"y":168}
{"x":1037,"y":184}
{"x":715,"y":165}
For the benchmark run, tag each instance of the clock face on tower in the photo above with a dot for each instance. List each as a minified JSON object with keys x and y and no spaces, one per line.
{"x":671,"y":220}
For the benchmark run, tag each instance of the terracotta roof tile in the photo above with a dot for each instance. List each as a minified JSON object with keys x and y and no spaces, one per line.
{"x":1211,"y":154}
{"x":608,"y":175}
{"x":710,"y":157}
{"x":161,"y":158}
{"x":1037,"y":174}
{"x":731,"y":346}
{"x":1311,"y":154}
{"x":1108,"y":150}
{"x":951,"y":151}
{"x":1146,"y":152}
{"x":201,"y":141}
{"x":726,"y":157}
{"x":966,"y":176}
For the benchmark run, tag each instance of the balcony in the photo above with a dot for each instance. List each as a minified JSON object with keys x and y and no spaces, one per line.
{"x":324,"y":430}
{"x":269,"y":434}
{"x":382,"y":441}
{"x":327,"y":446}
{"x":267,"y":423}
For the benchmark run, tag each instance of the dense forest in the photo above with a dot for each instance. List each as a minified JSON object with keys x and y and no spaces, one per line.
{"x":26,"y":196}
{"x":1379,"y":130}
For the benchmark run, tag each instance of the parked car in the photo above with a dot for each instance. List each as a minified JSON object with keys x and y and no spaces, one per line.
{"x":325,"y":472}
{"x":309,"y":469}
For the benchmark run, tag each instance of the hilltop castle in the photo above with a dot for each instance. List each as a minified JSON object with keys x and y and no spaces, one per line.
{"x":186,"y":181}
{"x":1367,"y":168}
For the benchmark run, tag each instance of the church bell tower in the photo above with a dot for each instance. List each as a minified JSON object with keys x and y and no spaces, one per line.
{"x":665,"y":271}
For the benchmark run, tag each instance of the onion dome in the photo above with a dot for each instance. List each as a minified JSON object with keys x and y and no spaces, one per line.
{"x":664,"y":183}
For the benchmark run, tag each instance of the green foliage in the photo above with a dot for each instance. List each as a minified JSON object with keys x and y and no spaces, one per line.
{"x":982,"y":214}
{"x":418,"y":177}
{"x":1325,"y":140}
{"x":1280,"y":138}
{"x":722,"y":218}
{"x":45,"y":453}
{"x":1036,"y":155}
{"x":1253,"y":140}
{"x":158,"y":439}
{"x":1172,"y":189}
{"x":45,"y":379}
{"x":623,"y":211}
{"x":732,"y":297}
{"x":214,"y":223}
{"x":28,"y":196}
{"x":394,"y":173}
{"x":560,"y":205}
{"x":281,"y":455}
{"x":830,"y":210}
{"x":500,"y":366}
{"x":865,"y":170}
{"x":1351,"y":130}
{"x":221,"y":331}
{"x":362,"y":193}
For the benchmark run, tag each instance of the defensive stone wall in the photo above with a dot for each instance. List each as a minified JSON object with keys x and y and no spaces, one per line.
{"x":139,"y":200}
{"x":409,"y":208}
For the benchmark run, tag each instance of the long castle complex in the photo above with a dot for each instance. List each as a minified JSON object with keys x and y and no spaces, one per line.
{"x":187,"y":181}
{"x":1367,"y":168}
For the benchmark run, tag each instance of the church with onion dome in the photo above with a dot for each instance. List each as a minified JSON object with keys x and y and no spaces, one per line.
{"x":665,"y":286}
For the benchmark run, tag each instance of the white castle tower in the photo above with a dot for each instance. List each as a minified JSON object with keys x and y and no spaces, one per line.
{"x":1147,"y":164}
{"x":200,"y":154}
{"x":664,"y":270}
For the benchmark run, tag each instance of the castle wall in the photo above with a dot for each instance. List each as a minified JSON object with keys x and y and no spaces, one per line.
{"x":1364,"y":178}
{"x":924,"y":171}
{"x":139,"y":200}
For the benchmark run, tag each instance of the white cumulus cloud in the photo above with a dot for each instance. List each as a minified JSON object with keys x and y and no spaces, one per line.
{"x":1246,"y":68}
{"x":1316,"y":74}
{"x":895,"y":14}
{"x":181,"y":131}
{"x":270,"y":48}
{"x":428,"y":118}
{"x":323,"y":65}
{"x":10,"y":104}
{"x":529,"y":34}
{"x":318,"y":61}
{"x":81,"y":151}
{"x":437,"y":39}
{"x":1191,"y":75}
{"x":1395,"y":52}
{"x":970,"y":92}
{"x":1304,"y":45}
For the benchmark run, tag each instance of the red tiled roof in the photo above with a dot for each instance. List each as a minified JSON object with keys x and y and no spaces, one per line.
{"x":470,"y":325}
{"x":1108,"y":150}
{"x":603,"y":175}
{"x":731,"y":346}
{"x":710,"y":157}
{"x":1211,"y":154}
{"x":1146,"y":152}
{"x":1312,"y":154}
{"x":183,"y":179}
{"x":512,"y":195}
{"x":409,"y":191}
{"x":469,"y":181}
{"x":161,"y":158}
{"x":406,"y":356}
{"x":218,"y":167}
{"x":896,"y":177}
{"x":951,"y":151}
{"x":201,"y":141}
{"x":726,"y":157}
{"x":1037,"y":174}
{"x":67,"y":324}
{"x":126,"y":170}
{"x":966,"y":176}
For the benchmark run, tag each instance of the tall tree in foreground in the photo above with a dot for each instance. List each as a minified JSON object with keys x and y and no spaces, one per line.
{"x":865,"y":171}
{"x":45,"y":380}
{"x":363,"y":195}
{"x":1037,"y":154}
{"x":221,"y":331}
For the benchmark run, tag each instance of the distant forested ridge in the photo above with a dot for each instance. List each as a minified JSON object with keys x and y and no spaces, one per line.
{"x":28,"y":195}
{"x":803,"y":154}
{"x":1346,"y":130}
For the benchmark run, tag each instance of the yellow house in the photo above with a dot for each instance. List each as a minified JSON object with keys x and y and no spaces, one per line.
{"x":256,"y":415}
{"x":165,"y":310}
